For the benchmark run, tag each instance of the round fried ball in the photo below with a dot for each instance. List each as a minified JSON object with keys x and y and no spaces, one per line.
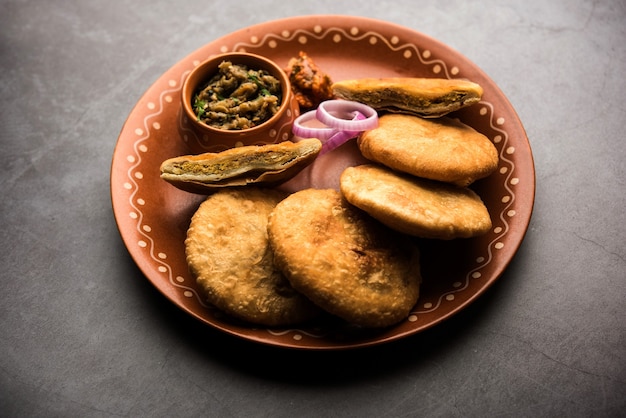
{"x":343,"y":260}
{"x":228,"y":253}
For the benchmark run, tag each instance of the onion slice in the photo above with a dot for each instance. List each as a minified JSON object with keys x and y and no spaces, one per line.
{"x":337,"y":140}
{"x":300,"y":129}
{"x":340,"y":114}
{"x":341,"y":137}
{"x":341,"y":119}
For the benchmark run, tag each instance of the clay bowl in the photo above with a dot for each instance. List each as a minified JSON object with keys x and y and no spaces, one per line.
{"x":201,"y":137}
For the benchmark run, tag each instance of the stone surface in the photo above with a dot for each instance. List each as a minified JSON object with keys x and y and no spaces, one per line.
{"x":85,"y":334}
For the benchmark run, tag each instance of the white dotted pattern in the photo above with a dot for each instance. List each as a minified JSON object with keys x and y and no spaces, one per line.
{"x":133,"y":185}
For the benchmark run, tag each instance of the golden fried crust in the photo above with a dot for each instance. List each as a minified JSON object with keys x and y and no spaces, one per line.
{"x":259,"y":165}
{"x":426,"y":97}
{"x":438,"y":149}
{"x":229,"y":255}
{"x":343,"y":260}
{"x":415,"y":206}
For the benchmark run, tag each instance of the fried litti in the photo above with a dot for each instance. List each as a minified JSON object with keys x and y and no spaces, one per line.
{"x":343,"y":260}
{"x":441,"y":149}
{"x":425,"y":97}
{"x":419,"y":207}
{"x":258,"y":165}
{"x":229,"y":255}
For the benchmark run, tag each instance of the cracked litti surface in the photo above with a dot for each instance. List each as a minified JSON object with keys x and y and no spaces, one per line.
{"x":229,"y":254}
{"x":343,"y":260}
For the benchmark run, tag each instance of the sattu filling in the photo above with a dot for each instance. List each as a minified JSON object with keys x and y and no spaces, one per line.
{"x":394,"y":99}
{"x":235,"y":165}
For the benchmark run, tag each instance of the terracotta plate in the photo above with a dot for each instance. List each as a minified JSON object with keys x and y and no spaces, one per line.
{"x":153,"y":216}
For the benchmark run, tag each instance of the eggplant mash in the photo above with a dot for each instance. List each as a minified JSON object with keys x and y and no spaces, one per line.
{"x":237,"y":98}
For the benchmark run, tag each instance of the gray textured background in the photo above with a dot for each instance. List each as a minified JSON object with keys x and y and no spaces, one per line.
{"x":83,"y":333}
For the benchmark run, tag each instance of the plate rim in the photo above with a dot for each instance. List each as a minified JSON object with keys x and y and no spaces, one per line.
{"x":347,"y":20}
